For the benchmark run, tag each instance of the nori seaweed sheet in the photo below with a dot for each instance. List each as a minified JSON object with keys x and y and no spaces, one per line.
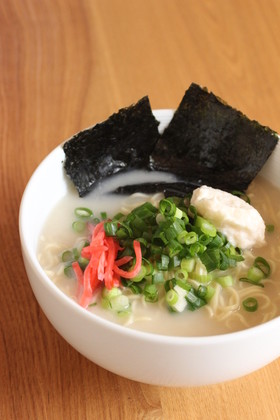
{"x":169,"y":189}
{"x":125,"y":140}
{"x":209,"y":142}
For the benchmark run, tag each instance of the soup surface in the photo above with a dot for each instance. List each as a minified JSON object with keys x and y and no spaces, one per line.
{"x":224,"y":313}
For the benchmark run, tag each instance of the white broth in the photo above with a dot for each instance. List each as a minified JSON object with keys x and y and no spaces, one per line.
{"x":223,"y":314}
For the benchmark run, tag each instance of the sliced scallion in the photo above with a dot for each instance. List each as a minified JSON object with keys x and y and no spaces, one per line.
{"x":206,"y":227}
{"x":263,"y":265}
{"x":157,"y":277}
{"x":83,"y":262}
{"x":167,"y":207}
{"x":191,"y":238}
{"x":103,"y":215}
{"x":68,"y":271}
{"x":188,"y":264}
{"x":67,"y":256}
{"x":78,"y":226}
{"x":163,"y":263}
{"x":250,"y":304}
{"x":110,"y":228}
{"x":171,"y":297}
{"x":151,"y":293}
{"x":140,"y":275}
{"x":202,"y":291}
{"x":83,"y":212}
{"x":181,"y":274}
{"x":224,"y":281}
{"x":246,"y":280}
{"x":255,"y":274}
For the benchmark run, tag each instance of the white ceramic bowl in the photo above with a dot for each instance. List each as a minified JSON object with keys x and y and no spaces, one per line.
{"x":145,"y":357}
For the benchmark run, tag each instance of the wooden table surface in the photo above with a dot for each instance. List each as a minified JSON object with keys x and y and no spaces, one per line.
{"x":64,"y":65}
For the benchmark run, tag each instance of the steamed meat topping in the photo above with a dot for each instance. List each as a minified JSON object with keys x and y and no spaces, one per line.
{"x":237,"y":220}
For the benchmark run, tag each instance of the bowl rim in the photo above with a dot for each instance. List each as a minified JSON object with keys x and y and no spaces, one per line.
{"x":30,"y":254}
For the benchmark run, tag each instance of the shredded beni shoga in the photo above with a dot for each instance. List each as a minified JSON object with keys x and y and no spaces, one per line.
{"x":168,"y":251}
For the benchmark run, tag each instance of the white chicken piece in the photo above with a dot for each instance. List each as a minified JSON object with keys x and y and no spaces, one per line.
{"x":240,"y":222}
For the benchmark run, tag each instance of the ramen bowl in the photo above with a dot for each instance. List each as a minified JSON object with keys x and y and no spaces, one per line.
{"x":141,"y":356}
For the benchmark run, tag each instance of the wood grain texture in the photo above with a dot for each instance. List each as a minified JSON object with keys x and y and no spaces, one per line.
{"x":65,"y":65}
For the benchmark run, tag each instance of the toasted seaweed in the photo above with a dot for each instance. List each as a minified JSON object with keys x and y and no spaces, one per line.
{"x":179,"y":188}
{"x":209,"y":142}
{"x":125,"y":140}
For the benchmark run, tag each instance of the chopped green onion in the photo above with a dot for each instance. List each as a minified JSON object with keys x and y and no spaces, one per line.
{"x":103,"y":215}
{"x":183,"y":284}
{"x":193,"y":212}
{"x":211,"y":259}
{"x":118,"y":216}
{"x":224,"y":281}
{"x":149,"y":266}
{"x":224,"y":261}
{"x":255,"y":274}
{"x":178,"y":213}
{"x":194,"y":301}
{"x":210,"y":293}
{"x":191,"y":297}
{"x":181,"y":274}
{"x":135,"y":288}
{"x":181,"y":236}
{"x":174,"y":247}
{"x":169,"y":284}
{"x":151,"y":293}
{"x":246,"y":280}
{"x":191,"y":238}
{"x":217,"y":242}
{"x":143,"y":243}
{"x":155,"y":249}
{"x":83,"y":262}
{"x":206,"y":227}
{"x":167,"y":207}
{"x":111,"y":228}
{"x":174,"y":262}
{"x":163,"y":263}
{"x":263,"y":265}
{"x":205,"y":239}
{"x":202,"y":291}
{"x":250,"y":304}
{"x":78,"y":226}
{"x":171,"y":297}
{"x":83,"y":212}
{"x":181,"y":304}
{"x":109,"y":294}
{"x":159,"y":238}
{"x":196,"y":249}
{"x":140,"y":275}
{"x":158,"y":277}
{"x":120,"y":304}
{"x":68,"y":271}
{"x":67,"y":256}
{"x":76,"y":253}
{"x":114,"y":299}
{"x":188,"y":264}
{"x":202,"y":278}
